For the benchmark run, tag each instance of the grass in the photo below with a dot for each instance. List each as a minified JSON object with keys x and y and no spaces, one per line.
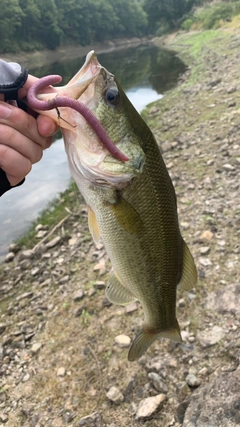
{"x":53,"y":214}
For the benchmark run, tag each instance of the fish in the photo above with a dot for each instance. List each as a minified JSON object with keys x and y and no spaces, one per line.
{"x":132,"y":205}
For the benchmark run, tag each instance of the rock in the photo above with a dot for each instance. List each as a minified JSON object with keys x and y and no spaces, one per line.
{"x":27,"y":254}
{"x":122,"y":340}
{"x":192,"y":380}
{"x":205,"y":262}
{"x":158,"y":384}
{"x":115,"y":395}
{"x":204,"y":250}
{"x":9,"y":257}
{"x":36,"y":347}
{"x":2,"y":327}
{"x":26,"y":377}
{"x":100,"y":284}
{"x":41,"y":234}
{"x":53,"y":242}
{"x":93,"y":420}
{"x":208,"y":338}
{"x":131,"y":307}
{"x":68,"y":416}
{"x":61,"y":372}
{"x":14,"y":247}
{"x":224,"y":300}
{"x":78,"y":295}
{"x":149,"y":406}
{"x":35,"y":271}
{"x":3,"y":418}
{"x":228,"y":167}
{"x":215,"y":404}
{"x":206,"y":235}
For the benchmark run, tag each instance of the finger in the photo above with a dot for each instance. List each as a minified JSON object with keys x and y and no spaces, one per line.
{"x":46,"y":126}
{"x":22,"y":122}
{"x":11,"y":138}
{"x":14,"y":164}
{"x":24,"y":90}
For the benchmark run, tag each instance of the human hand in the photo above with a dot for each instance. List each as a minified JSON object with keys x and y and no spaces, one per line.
{"x":22,"y":137}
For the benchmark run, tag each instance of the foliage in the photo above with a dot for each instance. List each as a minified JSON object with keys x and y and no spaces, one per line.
{"x":38,"y":24}
{"x":211,"y":15}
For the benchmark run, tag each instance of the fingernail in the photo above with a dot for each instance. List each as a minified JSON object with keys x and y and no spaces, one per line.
{"x":5,"y":110}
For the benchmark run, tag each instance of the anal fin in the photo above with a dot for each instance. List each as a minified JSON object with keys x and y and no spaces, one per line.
{"x":189,"y":272}
{"x":116,"y":292}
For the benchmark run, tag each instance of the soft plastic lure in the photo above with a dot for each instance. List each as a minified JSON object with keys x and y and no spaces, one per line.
{"x":64,"y":101}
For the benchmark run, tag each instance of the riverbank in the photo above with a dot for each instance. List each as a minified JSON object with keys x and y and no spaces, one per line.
{"x":61,"y":349}
{"x":68,"y":52}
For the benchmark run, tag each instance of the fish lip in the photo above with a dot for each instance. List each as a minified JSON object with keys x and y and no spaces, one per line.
{"x":86,"y":75}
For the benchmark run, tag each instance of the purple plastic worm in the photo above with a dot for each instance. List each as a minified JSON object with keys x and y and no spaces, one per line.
{"x":64,"y":101}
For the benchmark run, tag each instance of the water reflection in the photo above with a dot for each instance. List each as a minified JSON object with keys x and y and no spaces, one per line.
{"x":144,"y":72}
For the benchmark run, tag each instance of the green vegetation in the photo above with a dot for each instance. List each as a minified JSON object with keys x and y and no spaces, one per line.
{"x":212,"y":15}
{"x":37,"y":24}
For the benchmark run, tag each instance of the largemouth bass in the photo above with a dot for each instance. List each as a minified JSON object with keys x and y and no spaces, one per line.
{"x":131,"y":202}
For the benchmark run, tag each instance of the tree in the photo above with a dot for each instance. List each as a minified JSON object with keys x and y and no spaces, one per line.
{"x":10,"y":24}
{"x":48,"y":31}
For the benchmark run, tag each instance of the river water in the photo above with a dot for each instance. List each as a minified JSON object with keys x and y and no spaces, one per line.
{"x":145,"y":73}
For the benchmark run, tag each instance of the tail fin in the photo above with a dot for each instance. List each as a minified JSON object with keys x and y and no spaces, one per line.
{"x":146,"y":337}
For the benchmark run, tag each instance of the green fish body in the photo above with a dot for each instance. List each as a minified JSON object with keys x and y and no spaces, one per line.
{"x":132,"y":205}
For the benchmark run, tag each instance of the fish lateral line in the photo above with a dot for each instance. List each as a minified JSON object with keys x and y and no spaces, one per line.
{"x":64,"y":101}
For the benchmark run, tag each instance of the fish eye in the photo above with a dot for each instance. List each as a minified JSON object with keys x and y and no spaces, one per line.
{"x":112,"y":96}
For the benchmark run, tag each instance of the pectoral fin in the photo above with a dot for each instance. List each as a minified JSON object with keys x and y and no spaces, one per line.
{"x":93,"y":226}
{"x":146,"y":337}
{"x":189,"y":273}
{"x":117,"y":293}
{"x":127,"y":216}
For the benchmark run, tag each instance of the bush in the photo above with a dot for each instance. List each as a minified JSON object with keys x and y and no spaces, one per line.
{"x":163,"y":28}
{"x":186,"y":25}
{"x":212,"y":15}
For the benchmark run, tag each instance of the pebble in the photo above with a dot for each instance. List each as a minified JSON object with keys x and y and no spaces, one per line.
{"x":36,"y":347}
{"x":206,"y":235}
{"x":27,"y":254}
{"x":129,"y":309}
{"x":158,"y":384}
{"x":122,"y":341}
{"x":61,"y":372}
{"x":204,"y":250}
{"x":53,"y":242}
{"x":41,"y":234}
{"x":92,"y":420}
{"x":100,"y":284}
{"x":9,"y":257}
{"x":26,"y":377}
{"x":14,"y":247}
{"x":3,"y":418}
{"x":149,"y":406}
{"x":78,"y":295}
{"x":2,"y":327}
{"x":115,"y":395}
{"x":35,"y":271}
{"x":205,"y":262}
{"x":209,"y":338}
{"x":192,"y":380}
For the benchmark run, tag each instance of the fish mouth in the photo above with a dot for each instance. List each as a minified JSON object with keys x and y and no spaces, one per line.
{"x":84,"y":77}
